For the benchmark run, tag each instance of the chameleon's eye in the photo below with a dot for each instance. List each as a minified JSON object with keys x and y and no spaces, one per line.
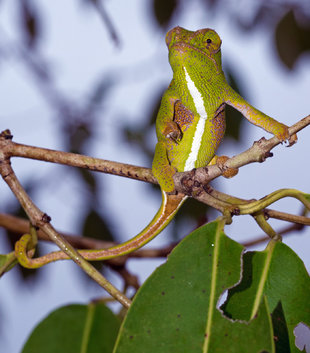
{"x":209,"y":40}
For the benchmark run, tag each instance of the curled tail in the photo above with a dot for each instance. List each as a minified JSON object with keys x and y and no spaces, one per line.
{"x":169,"y":206}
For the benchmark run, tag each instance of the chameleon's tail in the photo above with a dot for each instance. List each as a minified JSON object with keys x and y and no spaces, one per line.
{"x":169,"y":206}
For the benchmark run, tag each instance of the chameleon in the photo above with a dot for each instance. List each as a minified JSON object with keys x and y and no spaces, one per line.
{"x":190,"y":126}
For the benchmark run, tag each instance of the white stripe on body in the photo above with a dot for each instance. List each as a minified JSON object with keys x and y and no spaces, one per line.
{"x":199,"y":105}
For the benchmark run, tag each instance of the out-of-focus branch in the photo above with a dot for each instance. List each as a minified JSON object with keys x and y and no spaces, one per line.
{"x":21,"y":226}
{"x":107,"y":21}
{"x":264,"y":238}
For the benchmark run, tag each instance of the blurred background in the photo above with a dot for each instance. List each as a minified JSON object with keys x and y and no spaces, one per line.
{"x":86,"y":76}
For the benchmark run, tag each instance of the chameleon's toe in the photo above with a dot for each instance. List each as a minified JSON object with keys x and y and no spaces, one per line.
{"x":292,"y":140}
{"x":173,"y":132}
{"x":282,"y":133}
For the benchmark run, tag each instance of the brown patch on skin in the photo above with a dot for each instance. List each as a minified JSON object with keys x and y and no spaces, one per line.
{"x":182,"y":116}
{"x":173,"y":132}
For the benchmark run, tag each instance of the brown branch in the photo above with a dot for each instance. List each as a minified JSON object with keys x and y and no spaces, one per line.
{"x":21,"y":226}
{"x":42,"y":221}
{"x":260,"y":150}
{"x":192,"y":183}
{"x":283,"y":216}
{"x":183,"y":181}
{"x":11,"y":149}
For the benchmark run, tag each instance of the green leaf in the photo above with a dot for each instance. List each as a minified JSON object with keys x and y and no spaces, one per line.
{"x":97,"y":226}
{"x":176,"y":308}
{"x":292,"y":39}
{"x":164,"y":10}
{"x":280,"y":275}
{"x":75,"y":329}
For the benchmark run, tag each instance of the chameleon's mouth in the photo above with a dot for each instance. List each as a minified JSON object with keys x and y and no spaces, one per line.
{"x":182,"y":45}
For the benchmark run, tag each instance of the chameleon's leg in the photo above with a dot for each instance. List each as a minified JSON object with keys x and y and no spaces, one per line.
{"x":220,"y":161}
{"x":257,"y":117}
{"x":172,"y":131}
{"x":162,"y":169}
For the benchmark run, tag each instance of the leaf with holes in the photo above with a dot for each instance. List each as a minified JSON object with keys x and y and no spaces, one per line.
{"x":75,"y":328}
{"x":176,"y":308}
{"x":280,"y":275}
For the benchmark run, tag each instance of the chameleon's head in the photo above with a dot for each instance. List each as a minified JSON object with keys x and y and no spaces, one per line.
{"x":200,"y":46}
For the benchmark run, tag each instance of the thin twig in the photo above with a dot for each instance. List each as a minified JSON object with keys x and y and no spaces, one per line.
{"x":42,"y":221}
{"x":77,"y":160}
{"x":257,"y":153}
{"x":283,"y":216}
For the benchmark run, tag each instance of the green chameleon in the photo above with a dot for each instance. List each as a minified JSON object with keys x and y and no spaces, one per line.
{"x":191,"y":120}
{"x":190,"y":126}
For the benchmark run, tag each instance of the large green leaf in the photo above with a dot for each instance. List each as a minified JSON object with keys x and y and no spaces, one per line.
{"x":176,"y":308}
{"x":280,"y":275}
{"x":75,"y":329}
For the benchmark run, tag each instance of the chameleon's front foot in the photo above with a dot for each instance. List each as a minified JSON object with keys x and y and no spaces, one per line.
{"x":292,"y":140}
{"x":173,"y":132}
{"x":282,"y":133}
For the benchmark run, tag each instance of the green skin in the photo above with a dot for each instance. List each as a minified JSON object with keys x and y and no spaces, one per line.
{"x":199,"y":54}
{"x":190,"y":125}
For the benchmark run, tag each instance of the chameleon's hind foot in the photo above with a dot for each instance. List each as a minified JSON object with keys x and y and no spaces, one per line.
{"x":220,"y":161}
